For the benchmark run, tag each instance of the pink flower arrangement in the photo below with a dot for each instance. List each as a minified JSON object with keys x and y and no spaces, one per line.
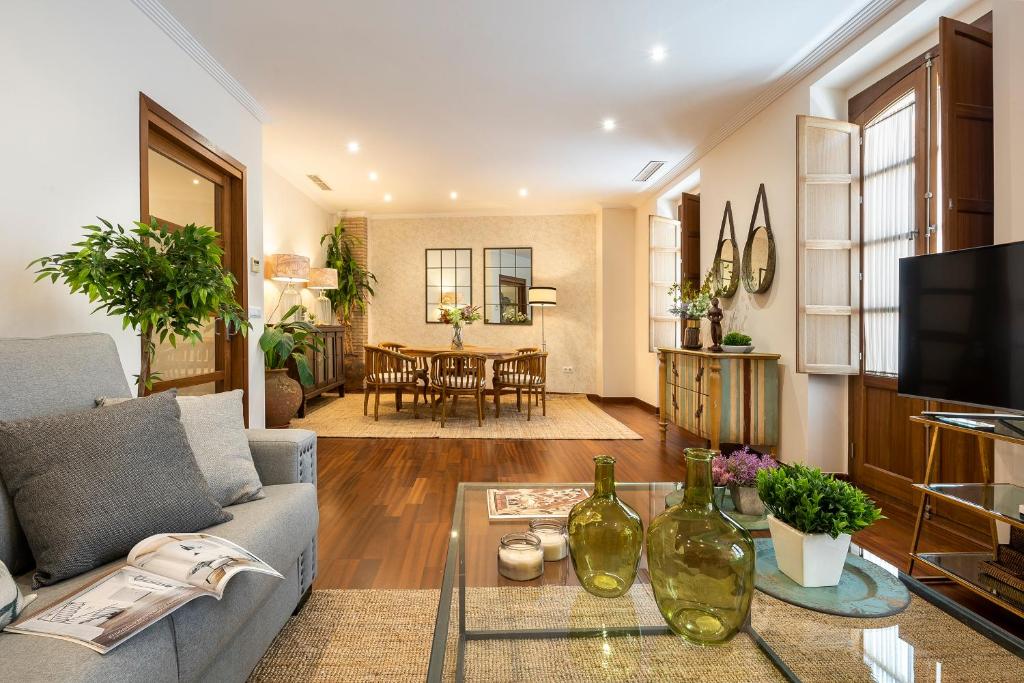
{"x":740,"y":467}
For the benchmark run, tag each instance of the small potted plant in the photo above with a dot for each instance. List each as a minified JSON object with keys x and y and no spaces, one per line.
{"x":288,"y":340}
{"x":739,"y":472}
{"x":457,"y":316}
{"x":737,"y":342}
{"x":812,"y":516}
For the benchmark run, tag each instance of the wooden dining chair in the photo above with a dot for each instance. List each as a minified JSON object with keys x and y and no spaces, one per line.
{"x":391,"y":346}
{"x":457,"y":373}
{"x":518,"y":394}
{"x":389,"y":370}
{"x":422,"y":369}
{"x":522,"y":372}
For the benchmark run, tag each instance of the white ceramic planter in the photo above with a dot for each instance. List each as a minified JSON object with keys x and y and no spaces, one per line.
{"x":812,"y":560}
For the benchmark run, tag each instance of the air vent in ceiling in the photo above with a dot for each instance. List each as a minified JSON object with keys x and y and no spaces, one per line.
{"x":319,"y":182}
{"x":647,"y":171}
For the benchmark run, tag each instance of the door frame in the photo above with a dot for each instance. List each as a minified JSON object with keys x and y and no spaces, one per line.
{"x":156,"y":122}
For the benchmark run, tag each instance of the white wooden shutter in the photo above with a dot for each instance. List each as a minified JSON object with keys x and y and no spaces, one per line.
{"x":828,"y":246}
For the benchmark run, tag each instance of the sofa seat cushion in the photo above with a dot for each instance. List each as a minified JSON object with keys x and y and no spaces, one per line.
{"x":276,"y":528}
{"x":150,"y":656}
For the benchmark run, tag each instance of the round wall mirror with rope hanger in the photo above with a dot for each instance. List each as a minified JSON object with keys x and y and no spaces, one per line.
{"x":725,"y":274}
{"x":759,"y":251}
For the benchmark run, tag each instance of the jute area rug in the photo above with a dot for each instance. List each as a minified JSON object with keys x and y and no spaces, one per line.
{"x":570,"y":416}
{"x":385,"y":635}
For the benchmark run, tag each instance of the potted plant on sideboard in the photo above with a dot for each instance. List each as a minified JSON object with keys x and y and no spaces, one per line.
{"x":812,"y":516}
{"x":737,"y":342}
{"x":738,"y":471}
{"x":280,"y":342}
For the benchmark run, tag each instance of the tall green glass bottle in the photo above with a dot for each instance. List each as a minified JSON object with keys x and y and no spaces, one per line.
{"x":701,"y":561}
{"x":605,"y":536}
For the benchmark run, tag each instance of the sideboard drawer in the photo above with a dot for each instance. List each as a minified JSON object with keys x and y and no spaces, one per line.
{"x":691,"y":411}
{"x":691,"y":373}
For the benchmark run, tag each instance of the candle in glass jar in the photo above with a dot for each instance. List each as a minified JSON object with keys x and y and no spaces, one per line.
{"x":520,"y":557}
{"x":554,"y":540}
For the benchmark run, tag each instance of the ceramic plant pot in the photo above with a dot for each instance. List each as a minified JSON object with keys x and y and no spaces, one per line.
{"x":746,"y":500}
{"x":728,"y":348}
{"x":812,"y":560}
{"x":283,"y":398}
{"x":691,"y":333}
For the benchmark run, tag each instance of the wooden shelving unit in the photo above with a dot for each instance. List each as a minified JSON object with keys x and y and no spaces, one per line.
{"x":996,"y":502}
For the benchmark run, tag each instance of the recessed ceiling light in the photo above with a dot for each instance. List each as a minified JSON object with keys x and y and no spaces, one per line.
{"x":374,"y":177}
{"x":195,"y":181}
{"x":608,"y":124}
{"x":523,"y":192}
{"x":658,"y":53}
{"x":353,"y":146}
{"x":387,"y":196}
{"x":453,"y":194}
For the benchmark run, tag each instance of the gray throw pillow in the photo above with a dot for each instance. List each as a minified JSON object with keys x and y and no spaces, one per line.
{"x":88,"y":486}
{"x":215,"y":428}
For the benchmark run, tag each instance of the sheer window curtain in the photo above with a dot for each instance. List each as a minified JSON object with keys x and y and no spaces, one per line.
{"x":889,"y":228}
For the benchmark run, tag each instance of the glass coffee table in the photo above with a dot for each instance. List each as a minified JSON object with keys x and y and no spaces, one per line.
{"x":490,"y":628}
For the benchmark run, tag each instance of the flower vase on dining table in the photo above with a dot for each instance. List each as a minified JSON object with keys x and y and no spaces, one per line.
{"x":457,"y":337}
{"x":605,"y":536}
{"x":701,"y":562}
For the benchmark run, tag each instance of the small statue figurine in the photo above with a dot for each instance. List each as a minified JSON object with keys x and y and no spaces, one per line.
{"x":715,"y":316}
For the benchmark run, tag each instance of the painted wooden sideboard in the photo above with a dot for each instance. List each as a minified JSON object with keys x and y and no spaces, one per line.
{"x":720,"y":397}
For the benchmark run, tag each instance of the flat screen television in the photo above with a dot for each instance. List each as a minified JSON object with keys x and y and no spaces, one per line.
{"x":961,"y":329}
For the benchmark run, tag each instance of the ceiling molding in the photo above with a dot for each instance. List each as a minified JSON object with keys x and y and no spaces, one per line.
{"x":475,"y":214}
{"x":840,"y":38}
{"x":174,"y":29}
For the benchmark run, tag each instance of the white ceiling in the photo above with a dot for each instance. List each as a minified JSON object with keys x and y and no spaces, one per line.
{"x":487,"y":96}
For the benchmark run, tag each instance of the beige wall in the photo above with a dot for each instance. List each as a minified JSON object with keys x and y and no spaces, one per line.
{"x":1008,"y":91}
{"x":616,"y":312}
{"x":71,"y":152}
{"x":564,"y":256}
{"x":292,"y":224}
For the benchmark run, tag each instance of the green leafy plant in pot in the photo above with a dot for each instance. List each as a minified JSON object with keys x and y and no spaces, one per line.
{"x":812,"y":516}
{"x":284,"y":344}
{"x":737,"y":342}
{"x":165,"y":284}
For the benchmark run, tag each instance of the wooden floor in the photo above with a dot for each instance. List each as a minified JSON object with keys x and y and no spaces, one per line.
{"x":386,"y":504}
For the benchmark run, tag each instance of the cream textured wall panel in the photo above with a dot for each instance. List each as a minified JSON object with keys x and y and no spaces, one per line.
{"x":564,"y":256}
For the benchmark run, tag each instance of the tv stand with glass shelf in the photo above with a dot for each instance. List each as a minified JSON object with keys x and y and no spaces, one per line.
{"x":997,"y":502}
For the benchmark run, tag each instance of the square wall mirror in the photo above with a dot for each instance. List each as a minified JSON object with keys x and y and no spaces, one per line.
{"x":508,"y":274}
{"x":449,"y":280}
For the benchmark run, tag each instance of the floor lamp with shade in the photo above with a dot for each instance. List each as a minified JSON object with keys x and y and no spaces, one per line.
{"x":290,"y":269}
{"x":321,"y":280}
{"x":542,"y":297}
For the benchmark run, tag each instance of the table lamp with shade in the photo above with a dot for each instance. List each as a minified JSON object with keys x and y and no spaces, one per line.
{"x":542,"y":297}
{"x":321,"y":280}
{"x":290,"y":269}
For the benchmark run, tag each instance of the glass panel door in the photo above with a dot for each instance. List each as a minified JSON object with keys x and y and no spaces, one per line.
{"x":179,"y":195}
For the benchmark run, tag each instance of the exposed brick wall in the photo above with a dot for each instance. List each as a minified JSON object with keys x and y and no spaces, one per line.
{"x":356,"y":226}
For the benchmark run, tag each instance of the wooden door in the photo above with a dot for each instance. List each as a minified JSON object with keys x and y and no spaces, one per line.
{"x":689,"y":220}
{"x":887,"y":452}
{"x":185,"y":180}
{"x":967,"y":152}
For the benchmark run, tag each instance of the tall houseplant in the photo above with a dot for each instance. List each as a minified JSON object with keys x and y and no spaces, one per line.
{"x":355,"y":282}
{"x":165,"y":284}
{"x":283,"y":342}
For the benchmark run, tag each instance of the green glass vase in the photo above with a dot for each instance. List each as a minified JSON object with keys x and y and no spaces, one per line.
{"x":605,"y":536}
{"x":701,"y":562}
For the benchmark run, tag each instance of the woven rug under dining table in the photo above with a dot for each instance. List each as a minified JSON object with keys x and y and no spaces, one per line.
{"x":569,"y":416}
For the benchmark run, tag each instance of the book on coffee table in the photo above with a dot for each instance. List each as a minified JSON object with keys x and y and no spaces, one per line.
{"x":533,"y":503}
{"x":163,"y":572}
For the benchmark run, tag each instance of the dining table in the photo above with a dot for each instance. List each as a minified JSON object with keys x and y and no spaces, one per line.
{"x":493,"y":353}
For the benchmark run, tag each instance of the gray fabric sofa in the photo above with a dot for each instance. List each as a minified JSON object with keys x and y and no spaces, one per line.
{"x":205,"y":640}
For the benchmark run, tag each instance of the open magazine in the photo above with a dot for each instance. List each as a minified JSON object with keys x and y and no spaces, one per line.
{"x":163,"y":573}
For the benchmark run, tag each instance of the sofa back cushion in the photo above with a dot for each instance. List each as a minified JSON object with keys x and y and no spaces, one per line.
{"x":88,"y":486}
{"x":49,"y":376}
